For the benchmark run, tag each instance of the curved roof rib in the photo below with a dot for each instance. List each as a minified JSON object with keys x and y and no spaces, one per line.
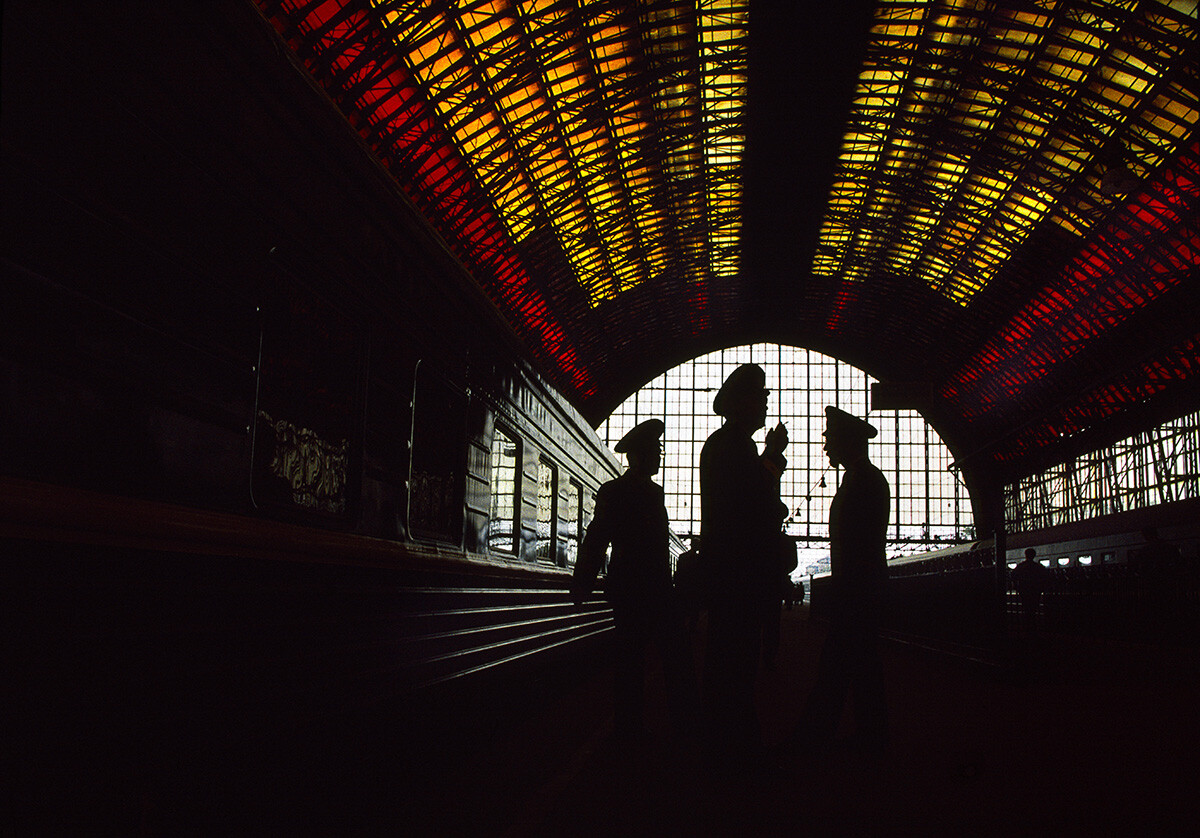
{"x":997,"y":199}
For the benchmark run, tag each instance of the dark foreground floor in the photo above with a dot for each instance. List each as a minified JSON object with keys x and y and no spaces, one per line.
{"x":1085,"y":738}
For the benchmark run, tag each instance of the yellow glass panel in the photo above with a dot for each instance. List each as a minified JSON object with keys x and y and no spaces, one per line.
{"x":1171,"y":129}
{"x":438,"y":40}
{"x":1115,"y":96}
{"x":1129,"y":82}
{"x":586,"y":168}
{"x":486,"y":27}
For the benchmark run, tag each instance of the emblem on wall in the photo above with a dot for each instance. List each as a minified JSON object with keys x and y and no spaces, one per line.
{"x":308,"y":418}
{"x":314,"y":468}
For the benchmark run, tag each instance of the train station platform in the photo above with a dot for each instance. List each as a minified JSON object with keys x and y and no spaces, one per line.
{"x":1069,"y":736}
{"x":1073,"y":736}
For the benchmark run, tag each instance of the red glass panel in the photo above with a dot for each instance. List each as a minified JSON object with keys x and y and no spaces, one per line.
{"x":407,"y":137}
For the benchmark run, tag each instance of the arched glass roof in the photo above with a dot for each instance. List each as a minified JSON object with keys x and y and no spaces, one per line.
{"x":996,"y":199}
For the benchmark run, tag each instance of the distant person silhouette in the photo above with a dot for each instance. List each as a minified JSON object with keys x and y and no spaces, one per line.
{"x":740,"y":519}
{"x":1160,"y":578}
{"x":630,"y":515}
{"x":689,"y":584}
{"x":849,"y":662}
{"x":1158,"y":557}
{"x":795,"y":594}
{"x":1030,"y":580}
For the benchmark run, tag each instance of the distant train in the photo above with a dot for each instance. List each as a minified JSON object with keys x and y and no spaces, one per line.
{"x":1110,"y":540}
{"x":1095,"y":583}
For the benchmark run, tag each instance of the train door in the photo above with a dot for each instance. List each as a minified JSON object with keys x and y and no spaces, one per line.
{"x":438,"y":463}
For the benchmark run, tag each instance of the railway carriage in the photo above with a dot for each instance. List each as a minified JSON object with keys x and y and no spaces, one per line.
{"x":266,"y":463}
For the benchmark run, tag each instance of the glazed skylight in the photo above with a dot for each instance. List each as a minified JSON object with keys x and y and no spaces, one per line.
{"x":972,"y":125}
{"x":612,"y":128}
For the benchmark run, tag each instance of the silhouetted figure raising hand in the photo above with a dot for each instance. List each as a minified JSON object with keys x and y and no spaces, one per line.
{"x":741,"y":516}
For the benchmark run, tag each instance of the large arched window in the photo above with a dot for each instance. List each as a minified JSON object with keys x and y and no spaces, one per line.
{"x":930,"y":506}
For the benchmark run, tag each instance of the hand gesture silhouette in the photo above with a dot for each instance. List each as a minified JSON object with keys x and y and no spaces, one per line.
{"x":777,"y":439}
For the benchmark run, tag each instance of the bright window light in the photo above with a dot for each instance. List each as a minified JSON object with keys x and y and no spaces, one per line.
{"x":930,"y":505}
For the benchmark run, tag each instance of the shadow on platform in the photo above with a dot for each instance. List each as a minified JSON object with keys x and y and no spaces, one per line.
{"x":1081,"y":737}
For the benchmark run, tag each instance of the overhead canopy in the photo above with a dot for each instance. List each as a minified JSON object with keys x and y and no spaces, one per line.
{"x":996,"y":201}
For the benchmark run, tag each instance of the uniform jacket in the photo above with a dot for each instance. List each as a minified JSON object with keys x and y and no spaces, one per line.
{"x":631,"y":516}
{"x":741,"y":515}
{"x":858,"y":519}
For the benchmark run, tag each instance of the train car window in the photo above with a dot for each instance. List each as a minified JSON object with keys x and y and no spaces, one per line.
{"x":547,"y":512}
{"x":1044,"y":562}
{"x":1085,"y":560}
{"x":503,"y":529}
{"x":436,"y":482}
{"x":1063,"y":561}
{"x":1108,"y":558}
{"x":306,"y":443}
{"x":573,"y":521}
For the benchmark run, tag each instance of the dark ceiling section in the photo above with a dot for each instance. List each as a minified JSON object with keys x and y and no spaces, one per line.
{"x":998,"y":199}
{"x":800,"y":90}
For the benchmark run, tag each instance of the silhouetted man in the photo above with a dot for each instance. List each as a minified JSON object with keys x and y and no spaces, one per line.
{"x":630,"y":515}
{"x":741,"y":517}
{"x":858,"y":519}
{"x":1030,"y":579}
{"x":1158,"y":557}
{"x":772,"y":615}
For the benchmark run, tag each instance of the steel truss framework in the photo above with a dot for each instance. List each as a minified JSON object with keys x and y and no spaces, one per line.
{"x":1155,"y":467}
{"x":565,"y":149}
{"x":1013,"y":201}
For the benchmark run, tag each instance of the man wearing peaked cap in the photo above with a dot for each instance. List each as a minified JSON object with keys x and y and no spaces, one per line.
{"x":858,"y":519}
{"x":841,"y":423}
{"x":741,"y":516}
{"x":641,"y":437}
{"x":747,"y":381}
{"x":631,"y":517}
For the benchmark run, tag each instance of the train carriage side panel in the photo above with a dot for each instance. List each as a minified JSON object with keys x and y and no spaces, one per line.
{"x":162,"y":563}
